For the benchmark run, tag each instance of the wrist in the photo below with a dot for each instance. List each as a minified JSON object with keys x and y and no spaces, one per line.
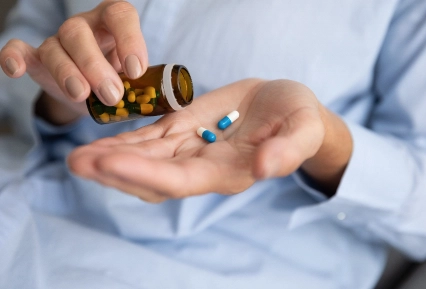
{"x":57,"y":112}
{"x":327,"y":166}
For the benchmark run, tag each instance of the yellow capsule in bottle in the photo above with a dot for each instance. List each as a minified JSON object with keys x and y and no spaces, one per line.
{"x":126,"y":85}
{"x":143,"y":98}
{"x":150,"y":91}
{"x":104,"y":117}
{"x":115,"y":118}
{"x":122,"y":112}
{"x":146,"y":108}
{"x":139,"y":91}
{"x":120,"y":104}
{"x":131,"y":96}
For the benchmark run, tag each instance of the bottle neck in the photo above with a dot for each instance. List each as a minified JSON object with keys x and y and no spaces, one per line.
{"x":168,"y":88}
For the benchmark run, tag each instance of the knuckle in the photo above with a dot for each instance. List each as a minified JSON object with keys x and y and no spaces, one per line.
{"x":12,"y":46}
{"x":14,"y":42}
{"x":5,"y":48}
{"x":90,"y":64}
{"x":125,"y":39}
{"x":47,"y":46}
{"x":118,"y":9}
{"x":63,"y":69}
{"x":72,"y":26}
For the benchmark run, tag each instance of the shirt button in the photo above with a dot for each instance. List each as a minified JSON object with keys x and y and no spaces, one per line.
{"x":341,"y":216}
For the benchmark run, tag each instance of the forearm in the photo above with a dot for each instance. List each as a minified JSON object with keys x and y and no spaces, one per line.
{"x":327,"y":166}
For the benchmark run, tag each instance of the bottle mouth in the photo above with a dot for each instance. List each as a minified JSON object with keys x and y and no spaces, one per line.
{"x":183,"y":83}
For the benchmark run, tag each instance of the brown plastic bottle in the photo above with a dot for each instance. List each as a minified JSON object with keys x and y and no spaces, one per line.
{"x":162,"y":89}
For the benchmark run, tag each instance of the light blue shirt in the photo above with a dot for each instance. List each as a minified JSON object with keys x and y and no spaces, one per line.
{"x":365,"y":60}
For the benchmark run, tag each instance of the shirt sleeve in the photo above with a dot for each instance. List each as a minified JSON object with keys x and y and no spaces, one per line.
{"x":382,"y":195}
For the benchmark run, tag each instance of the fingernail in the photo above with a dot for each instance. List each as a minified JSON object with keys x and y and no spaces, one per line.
{"x":133,"y":66}
{"x":74,"y":87}
{"x":108,"y":92}
{"x":11,"y":66}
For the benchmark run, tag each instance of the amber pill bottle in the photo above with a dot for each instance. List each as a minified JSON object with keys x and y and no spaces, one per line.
{"x":162,"y":89}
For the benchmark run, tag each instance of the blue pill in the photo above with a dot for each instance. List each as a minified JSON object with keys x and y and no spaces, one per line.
{"x":224,"y":123}
{"x":227,"y":120}
{"x":206,"y":134}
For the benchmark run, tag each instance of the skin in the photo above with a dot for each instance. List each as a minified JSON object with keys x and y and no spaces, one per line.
{"x":90,"y":47}
{"x":282,"y":126}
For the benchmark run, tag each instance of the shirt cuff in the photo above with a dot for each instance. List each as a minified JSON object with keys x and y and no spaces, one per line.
{"x":371,"y":185}
{"x":47,"y":129}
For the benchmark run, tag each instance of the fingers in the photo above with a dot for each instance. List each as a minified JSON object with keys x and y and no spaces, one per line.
{"x":83,"y":162}
{"x":144,"y":193}
{"x":113,"y":167}
{"x":90,"y":48}
{"x":153,"y":172}
{"x":83,"y":39}
{"x":63,"y":69}
{"x":84,"y":159}
{"x":17,"y":56}
{"x":86,"y":53}
{"x":122,"y":21}
{"x":76,"y":38}
{"x":167,"y":177}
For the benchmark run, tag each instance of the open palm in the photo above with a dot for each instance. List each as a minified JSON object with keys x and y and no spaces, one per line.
{"x":278,"y":129}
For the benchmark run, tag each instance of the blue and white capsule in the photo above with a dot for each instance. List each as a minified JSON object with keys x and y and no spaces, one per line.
{"x":227,"y":120}
{"x":206,"y":134}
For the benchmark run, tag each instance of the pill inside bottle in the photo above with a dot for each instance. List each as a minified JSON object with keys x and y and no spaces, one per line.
{"x":162,"y":89}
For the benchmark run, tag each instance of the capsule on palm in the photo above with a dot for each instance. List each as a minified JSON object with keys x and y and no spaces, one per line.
{"x":228,"y":120}
{"x":206,"y":134}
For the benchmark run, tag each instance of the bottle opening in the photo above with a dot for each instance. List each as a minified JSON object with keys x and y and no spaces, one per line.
{"x":185,"y":84}
{"x":182,"y":92}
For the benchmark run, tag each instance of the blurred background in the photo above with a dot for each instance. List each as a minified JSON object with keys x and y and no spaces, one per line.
{"x":5,"y":6}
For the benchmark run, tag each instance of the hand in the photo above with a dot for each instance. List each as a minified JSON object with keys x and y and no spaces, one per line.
{"x":86,"y":54}
{"x":281,"y":127}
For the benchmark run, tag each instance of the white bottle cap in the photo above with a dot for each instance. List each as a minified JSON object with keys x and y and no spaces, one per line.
{"x":168,"y":88}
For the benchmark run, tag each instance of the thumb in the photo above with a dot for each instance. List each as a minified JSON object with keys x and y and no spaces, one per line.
{"x":294,"y":142}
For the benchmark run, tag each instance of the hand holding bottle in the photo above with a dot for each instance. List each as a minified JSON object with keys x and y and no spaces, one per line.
{"x":85,"y":55}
